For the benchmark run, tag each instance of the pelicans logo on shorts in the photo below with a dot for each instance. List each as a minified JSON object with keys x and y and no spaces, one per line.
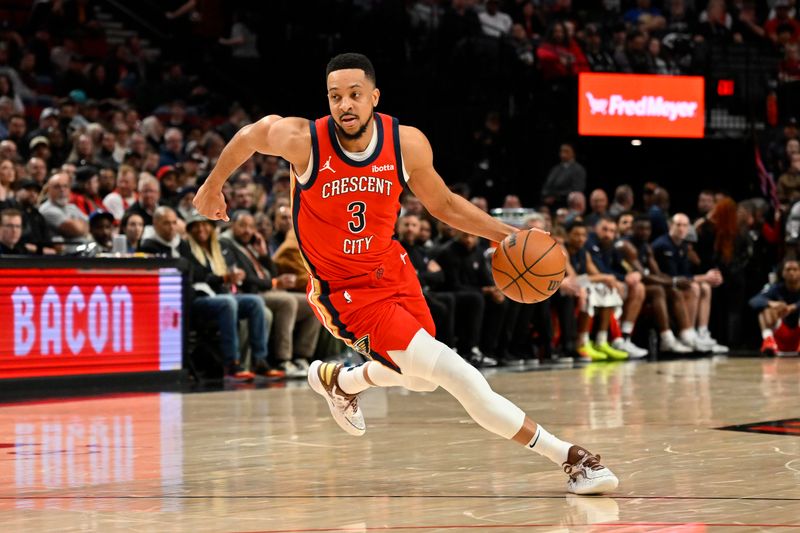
{"x":362,"y":346}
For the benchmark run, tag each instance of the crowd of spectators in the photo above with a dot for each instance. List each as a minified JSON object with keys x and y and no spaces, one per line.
{"x":99,"y":140}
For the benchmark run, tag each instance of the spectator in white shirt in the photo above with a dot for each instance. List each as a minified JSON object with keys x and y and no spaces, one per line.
{"x":118,"y":201}
{"x":494,"y":22}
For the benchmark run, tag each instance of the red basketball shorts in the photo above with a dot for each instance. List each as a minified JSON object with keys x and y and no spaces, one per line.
{"x":787,"y":338}
{"x":374,"y":313}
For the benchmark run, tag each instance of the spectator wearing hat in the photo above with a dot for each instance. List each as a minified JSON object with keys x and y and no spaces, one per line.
{"x":11,"y":233}
{"x":101,"y":228}
{"x":124,"y":195}
{"x":36,"y":234}
{"x":65,"y":219}
{"x":40,"y":147}
{"x":84,"y":190}
{"x":167,"y":177}
{"x":185,"y":196}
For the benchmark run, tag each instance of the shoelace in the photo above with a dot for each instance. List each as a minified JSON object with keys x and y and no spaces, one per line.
{"x":588,"y":461}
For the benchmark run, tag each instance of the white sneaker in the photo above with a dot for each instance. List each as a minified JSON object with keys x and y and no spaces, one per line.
{"x":699,"y":344}
{"x":324,"y":380}
{"x":626,"y":345}
{"x":586,"y":474}
{"x":673,"y":345}
{"x":292,"y":370}
{"x":715,"y":346}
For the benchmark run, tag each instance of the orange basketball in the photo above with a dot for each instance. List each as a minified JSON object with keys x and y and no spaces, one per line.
{"x":529,"y":266}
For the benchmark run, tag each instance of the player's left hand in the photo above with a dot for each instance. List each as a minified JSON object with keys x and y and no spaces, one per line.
{"x":211,"y":204}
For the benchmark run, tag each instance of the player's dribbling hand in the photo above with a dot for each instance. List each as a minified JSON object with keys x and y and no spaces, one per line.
{"x":210,"y":204}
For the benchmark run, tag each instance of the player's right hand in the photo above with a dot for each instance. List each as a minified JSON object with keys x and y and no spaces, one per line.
{"x":210,"y":204}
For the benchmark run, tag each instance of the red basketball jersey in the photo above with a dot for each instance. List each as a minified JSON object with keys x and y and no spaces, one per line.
{"x":344,"y":215}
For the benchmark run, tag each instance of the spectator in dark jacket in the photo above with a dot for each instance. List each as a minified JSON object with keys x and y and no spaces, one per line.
{"x":777,"y":308}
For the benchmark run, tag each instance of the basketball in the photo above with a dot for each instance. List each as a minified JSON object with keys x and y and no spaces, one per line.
{"x":529,"y":266}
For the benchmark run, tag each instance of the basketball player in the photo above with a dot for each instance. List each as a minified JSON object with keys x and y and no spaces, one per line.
{"x":348,"y":170}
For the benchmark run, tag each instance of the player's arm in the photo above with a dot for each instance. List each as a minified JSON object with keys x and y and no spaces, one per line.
{"x":440,"y":202}
{"x":289,"y":138}
{"x":593,"y":273}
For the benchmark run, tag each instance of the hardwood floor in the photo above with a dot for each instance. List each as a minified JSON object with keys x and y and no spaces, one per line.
{"x":273,"y":460}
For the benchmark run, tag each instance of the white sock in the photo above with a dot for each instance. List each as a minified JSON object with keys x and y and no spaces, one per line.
{"x":703,"y":331}
{"x":667,"y":336}
{"x":627,"y":328}
{"x":352,"y":380}
{"x":551,"y":447}
{"x":602,"y":337}
{"x":583,"y":338}
{"x":766,"y":332}
{"x":688,"y":335}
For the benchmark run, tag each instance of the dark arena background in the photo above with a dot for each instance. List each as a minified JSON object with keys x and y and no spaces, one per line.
{"x":154,"y":364}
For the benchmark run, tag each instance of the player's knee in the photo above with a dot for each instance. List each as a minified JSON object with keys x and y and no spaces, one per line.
{"x":418,"y":384}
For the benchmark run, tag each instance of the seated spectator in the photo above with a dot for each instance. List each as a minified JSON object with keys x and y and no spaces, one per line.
{"x":36,"y":234}
{"x":599,"y":60}
{"x":424,"y":238}
{"x":634,"y":58}
{"x":558,"y":56}
{"x":658,"y":212}
{"x":172,"y":151}
{"x":782,"y":18}
{"x":576,"y":206}
{"x":211,"y":298}
{"x":124,"y":195}
{"x":84,"y":190}
{"x":101,"y":228}
{"x":639,"y":254}
{"x":185,"y":197}
{"x":132,"y":226}
{"x":149,"y":195}
{"x":598,"y":203}
{"x":466,"y":272}
{"x":564,"y":178}
{"x":11,"y":233}
{"x":623,"y":200}
{"x":431,"y":279}
{"x":8,"y":174}
{"x":288,"y":259}
{"x":295,"y":328}
{"x":64,"y":218}
{"x":167,"y":177}
{"x":37,"y":170}
{"x":789,"y":183}
{"x":494,"y":22}
{"x":672,"y":255}
{"x":624,"y":225}
{"x":281,"y":225}
{"x":602,"y":297}
{"x":777,"y":311}
{"x":243,"y":199}
{"x":607,"y":258}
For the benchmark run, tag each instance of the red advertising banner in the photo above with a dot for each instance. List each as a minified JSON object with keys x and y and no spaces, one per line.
{"x":633,"y":105}
{"x":65,"y":321}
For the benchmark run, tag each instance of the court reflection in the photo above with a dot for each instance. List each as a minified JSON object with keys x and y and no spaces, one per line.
{"x":112,"y":444}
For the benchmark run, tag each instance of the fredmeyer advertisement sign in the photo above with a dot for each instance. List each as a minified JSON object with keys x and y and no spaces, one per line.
{"x":633,"y":105}
{"x":66,"y":321}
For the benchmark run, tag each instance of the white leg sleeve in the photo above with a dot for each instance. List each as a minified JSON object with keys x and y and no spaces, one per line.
{"x":386,"y":377}
{"x":434,"y":362}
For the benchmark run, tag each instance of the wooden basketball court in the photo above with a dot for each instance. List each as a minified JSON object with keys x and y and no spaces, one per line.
{"x":273,"y":460}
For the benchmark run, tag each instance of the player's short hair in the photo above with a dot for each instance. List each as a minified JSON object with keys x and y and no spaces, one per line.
{"x":351,"y":60}
{"x":577,"y":222}
{"x":10,"y":212}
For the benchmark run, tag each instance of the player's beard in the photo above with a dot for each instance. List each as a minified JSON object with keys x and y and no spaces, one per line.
{"x":357,"y":135}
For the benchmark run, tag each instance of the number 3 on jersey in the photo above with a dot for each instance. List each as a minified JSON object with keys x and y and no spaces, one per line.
{"x":357,"y":210}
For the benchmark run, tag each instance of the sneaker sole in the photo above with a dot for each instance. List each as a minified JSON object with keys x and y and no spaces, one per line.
{"x":599,"y":486}
{"x":316,"y":385}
